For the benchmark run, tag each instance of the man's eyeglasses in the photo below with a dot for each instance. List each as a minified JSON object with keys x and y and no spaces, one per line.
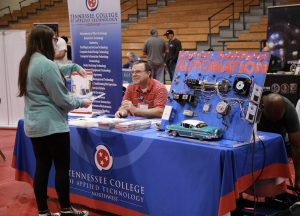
{"x":136,"y":72}
{"x":55,"y":40}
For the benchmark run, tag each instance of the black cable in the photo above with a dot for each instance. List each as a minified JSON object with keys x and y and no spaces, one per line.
{"x":255,"y":153}
{"x":265,"y":155}
{"x":264,"y":160}
{"x":254,"y":193}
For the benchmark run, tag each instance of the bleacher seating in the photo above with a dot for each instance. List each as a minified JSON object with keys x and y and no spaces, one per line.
{"x":187,"y":18}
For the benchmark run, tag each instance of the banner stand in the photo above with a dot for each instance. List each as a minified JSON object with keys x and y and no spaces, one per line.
{"x":12,"y":49}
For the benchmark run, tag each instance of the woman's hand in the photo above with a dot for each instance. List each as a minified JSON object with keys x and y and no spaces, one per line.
{"x":87,"y":103}
{"x":82,"y":73}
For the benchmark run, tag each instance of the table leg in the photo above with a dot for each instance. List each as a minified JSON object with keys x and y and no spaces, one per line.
{"x":3,"y":156}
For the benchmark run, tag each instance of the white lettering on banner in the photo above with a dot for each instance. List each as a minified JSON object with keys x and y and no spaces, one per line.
{"x":93,"y":42}
{"x":98,"y":88}
{"x":93,"y":33}
{"x":87,"y":185}
{"x":101,"y":106}
{"x":101,"y":70}
{"x":95,"y":75}
{"x":104,"y":79}
{"x":93,"y":20}
{"x":102,"y":56}
{"x":103,"y":195}
{"x":102,"y":110}
{"x":89,"y":56}
{"x":93,"y":47}
{"x":91,"y":15}
{"x":99,"y":92}
{"x":123,"y":194}
{"x":94,"y":183}
{"x":93,"y":51}
{"x":94,"y":65}
{"x":95,"y":61}
{"x":93,"y":56}
{"x":107,"y":84}
{"x":91,"y":38}
{"x":107,"y":102}
{"x":91,"y":178}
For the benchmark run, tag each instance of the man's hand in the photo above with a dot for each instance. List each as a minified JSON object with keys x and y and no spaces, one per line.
{"x":87,"y":103}
{"x":82,"y":73}
{"x":120,"y":114}
{"x":128,"y":106}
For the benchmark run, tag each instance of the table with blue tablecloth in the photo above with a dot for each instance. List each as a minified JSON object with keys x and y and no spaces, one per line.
{"x":151,"y":175}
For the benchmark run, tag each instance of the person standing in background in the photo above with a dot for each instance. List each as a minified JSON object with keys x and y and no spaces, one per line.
{"x":155,"y":48}
{"x":60,"y":49}
{"x":174,"y":46}
{"x":69,"y":50}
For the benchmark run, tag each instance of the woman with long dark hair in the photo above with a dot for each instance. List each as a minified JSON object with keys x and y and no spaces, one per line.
{"x":47,"y":101}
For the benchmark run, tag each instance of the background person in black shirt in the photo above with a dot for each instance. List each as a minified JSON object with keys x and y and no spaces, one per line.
{"x":174,"y":46}
{"x":280,"y":116}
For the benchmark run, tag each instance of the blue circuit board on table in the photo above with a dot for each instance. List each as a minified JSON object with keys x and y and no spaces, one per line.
{"x":222,"y":89}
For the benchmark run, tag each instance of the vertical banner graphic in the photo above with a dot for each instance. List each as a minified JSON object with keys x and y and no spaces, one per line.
{"x":283,"y":34}
{"x":96,"y":45}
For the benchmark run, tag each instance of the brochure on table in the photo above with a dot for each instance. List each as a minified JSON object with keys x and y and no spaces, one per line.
{"x":82,"y":88}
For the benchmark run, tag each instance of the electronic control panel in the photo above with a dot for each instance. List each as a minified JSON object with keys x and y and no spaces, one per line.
{"x":223,"y":89}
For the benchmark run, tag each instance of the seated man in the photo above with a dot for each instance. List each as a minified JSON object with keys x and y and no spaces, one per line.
{"x":145,"y":96}
{"x":279,"y":116}
{"x":275,"y":62}
{"x":131,"y":58}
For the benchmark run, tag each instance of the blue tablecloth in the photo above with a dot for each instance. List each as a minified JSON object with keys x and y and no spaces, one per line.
{"x":155,"y":176}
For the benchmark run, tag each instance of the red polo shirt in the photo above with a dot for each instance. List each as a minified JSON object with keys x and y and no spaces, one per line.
{"x":155,"y":96}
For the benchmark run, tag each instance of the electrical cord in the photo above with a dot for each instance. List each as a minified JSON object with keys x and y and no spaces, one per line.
{"x":254,"y":192}
{"x":265,"y":155}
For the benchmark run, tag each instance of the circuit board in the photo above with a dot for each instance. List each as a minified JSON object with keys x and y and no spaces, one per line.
{"x":222,"y":89}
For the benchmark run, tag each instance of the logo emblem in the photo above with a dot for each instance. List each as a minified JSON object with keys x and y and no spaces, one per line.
{"x":92,"y":4}
{"x":293,"y":67}
{"x":293,"y":88}
{"x":275,"y":88}
{"x":103,"y":158}
{"x":285,"y":88}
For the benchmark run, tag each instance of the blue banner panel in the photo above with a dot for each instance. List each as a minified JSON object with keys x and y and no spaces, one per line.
{"x":96,"y":45}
